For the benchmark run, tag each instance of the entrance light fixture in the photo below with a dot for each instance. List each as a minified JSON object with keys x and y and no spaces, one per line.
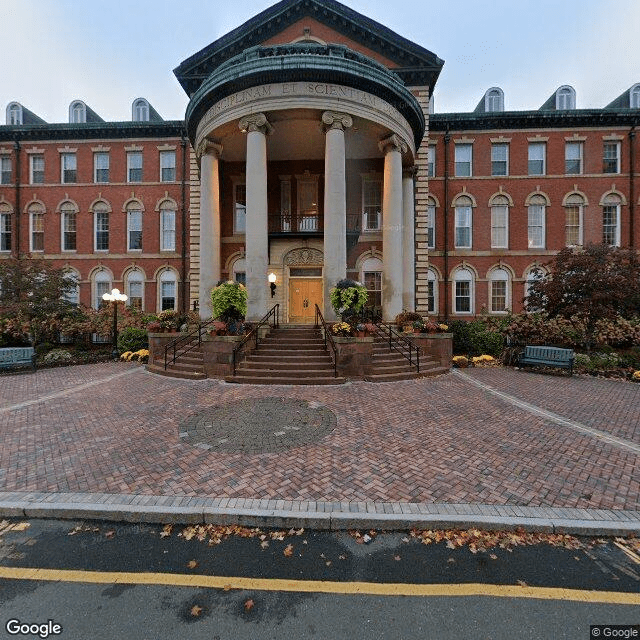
{"x":272,"y":283}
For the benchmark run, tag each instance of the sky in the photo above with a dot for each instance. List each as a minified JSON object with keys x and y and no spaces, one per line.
{"x":109,"y":52}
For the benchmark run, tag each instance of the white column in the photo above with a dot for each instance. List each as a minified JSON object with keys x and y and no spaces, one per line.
{"x":392,"y":235}
{"x":256,"y":127}
{"x":209,"y":153}
{"x":335,"y":205}
{"x":408,"y":246}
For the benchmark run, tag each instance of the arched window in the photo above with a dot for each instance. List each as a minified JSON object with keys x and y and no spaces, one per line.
{"x":135,"y":289}
{"x":168,"y":226}
{"x":565,"y":98}
{"x":72,"y":295}
{"x":101,"y":226}
{"x":239,"y":271}
{"x":14,"y":113}
{"x":134,"y":226}
{"x":499,"y":291}
{"x":5,"y":227}
{"x":464,"y":222}
{"x":573,"y":216}
{"x":494,"y":100}
{"x":140,"y":110}
{"x":499,"y":222}
{"x":536,"y":221}
{"x":463,"y":291}
{"x":101,"y":285}
{"x":532,"y":276}
{"x":611,"y":220}
{"x":371,"y":277}
{"x":77,"y":112}
{"x":36,"y":227}
{"x":168,"y":290}
{"x":634,"y":100}
{"x":431,"y":222}
{"x":433,"y":305}
{"x":68,"y":225}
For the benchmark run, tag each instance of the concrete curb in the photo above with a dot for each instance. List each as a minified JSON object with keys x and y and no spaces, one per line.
{"x":334,"y":516}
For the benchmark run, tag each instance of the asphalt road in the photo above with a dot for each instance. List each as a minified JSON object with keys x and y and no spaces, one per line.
{"x":106,"y":580}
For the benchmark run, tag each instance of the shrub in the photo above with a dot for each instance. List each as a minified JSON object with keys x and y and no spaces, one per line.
{"x":229,"y":301}
{"x":57,"y":355}
{"x":43,"y":348}
{"x":583,"y":361}
{"x":348,"y":297}
{"x":132,"y":339}
{"x":407,"y":317}
{"x":476,"y":337}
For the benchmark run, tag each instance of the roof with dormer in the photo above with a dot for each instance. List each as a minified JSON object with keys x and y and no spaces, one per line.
{"x":415,"y":65}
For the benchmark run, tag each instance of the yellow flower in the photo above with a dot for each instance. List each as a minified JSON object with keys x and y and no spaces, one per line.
{"x":443,"y":327}
{"x":636,"y":376}
{"x":126,"y":355}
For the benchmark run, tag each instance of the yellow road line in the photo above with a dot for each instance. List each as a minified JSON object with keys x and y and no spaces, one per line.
{"x":318,"y":586}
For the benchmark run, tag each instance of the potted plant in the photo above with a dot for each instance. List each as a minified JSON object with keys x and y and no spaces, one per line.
{"x":404,"y":320}
{"x":361,"y":330}
{"x":370,"y":328}
{"x":154,"y":327}
{"x":348,"y":298}
{"x":218,"y":328}
{"x":342,"y":329}
{"x":229,"y":301}
{"x":169,"y":320}
{"x":418,"y":325}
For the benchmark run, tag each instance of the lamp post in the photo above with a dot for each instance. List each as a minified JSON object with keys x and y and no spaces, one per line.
{"x":115,"y":296}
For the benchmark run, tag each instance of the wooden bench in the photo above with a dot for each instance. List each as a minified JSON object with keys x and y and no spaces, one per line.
{"x":547,"y":357}
{"x":14,"y":357}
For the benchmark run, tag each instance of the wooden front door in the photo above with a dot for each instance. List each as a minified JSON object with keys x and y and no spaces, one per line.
{"x":304,"y":294}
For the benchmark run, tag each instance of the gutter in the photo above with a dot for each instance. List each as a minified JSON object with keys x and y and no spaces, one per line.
{"x":18,"y":216}
{"x":183,"y":215}
{"x":447,"y":139}
{"x":632,"y":197}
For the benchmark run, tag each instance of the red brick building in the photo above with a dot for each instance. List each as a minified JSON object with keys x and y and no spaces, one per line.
{"x":444,"y":213}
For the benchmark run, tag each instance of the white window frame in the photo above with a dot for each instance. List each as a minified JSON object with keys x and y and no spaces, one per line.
{"x":580,"y":207}
{"x":140,"y":110}
{"x":167,"y":276}
{"x":367,"y":182}
{"x":433,"y":304}
{"x":97,"y":156}
{"x":431,"y":161}
{"x":495,"y":146}
{"x":102,"y":283}
{"x":615,"y":227}
{"x":167,"y":227}
{"x":463,"y":165}
{"x":568,"y":146}
{"x":239,"y":271}
{"x":33,"y":158}
{"x":134,"y":214}
{"x":496,"y":210}
{"x":454,"y":291}
{"x":466,"y":211}
{"x":6,"y":174}
{"x":98,"y":211}
{"x":494,"y":100}
{"x":534,"y":146}
{"x":634,"y":97}
{"x":493,"y":278}
{"x":239,"y":209}
{"x":35,"y":210}
{"x":5,"y":230}
{"x":164,"y":156}
{"x":308,"y":219}
{"x":68,"y":163}
{"x":532,"y":209}
{"x":77,"y":112}
{"x":565,"y":98}
{"x":135,"y":276}
{"x":372,"y":265}
{"x":14,"y":114}
{"x":73,"y":297}
{"x":607,"y":145}
{"x":431,"y":223}
{"x":66,"y":209}
{"x":130,"y":156}
{"x":285,"y":204}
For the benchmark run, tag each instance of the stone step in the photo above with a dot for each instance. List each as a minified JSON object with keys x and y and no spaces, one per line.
{"x":172,"y":373}
{"x":271,"y":351}
{"x":297,"y":380}
{"x":292,"y":344}
{"x":392,"y":377}
{"x":287,"y":365}
{"x":393,"y":368}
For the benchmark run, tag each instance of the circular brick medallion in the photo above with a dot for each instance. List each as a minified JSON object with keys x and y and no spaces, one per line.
{"x":258,"y":425}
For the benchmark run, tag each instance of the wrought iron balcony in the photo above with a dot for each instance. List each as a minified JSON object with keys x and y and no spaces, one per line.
{"x":308,"y":224}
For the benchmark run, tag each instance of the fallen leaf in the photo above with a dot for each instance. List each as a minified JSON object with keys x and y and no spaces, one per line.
{"x":227,"y":587}
{"x":493,"y":556}
{"x":166,"y":531}
{"x":396,"y":558}
{"x":342,"y":557}
{"x":328,"y":563}
{"x":20,"y":526}
{"x":248,"y":605}
{"x":110,"y":534}
{"x":264,"y":544}
{"x":522,"y":583}
{"x":288,"y":552}
{"x":196,"y":610}
{"x":192,"y":564}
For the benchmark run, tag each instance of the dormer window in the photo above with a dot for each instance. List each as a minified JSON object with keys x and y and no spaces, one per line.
{"x":494,"y":100}
{"x":77,"y":112}
{"x":14,"y":113}
{"x":634,"y":97}
{"x":140,"y":110}
{"x":565,"y":98}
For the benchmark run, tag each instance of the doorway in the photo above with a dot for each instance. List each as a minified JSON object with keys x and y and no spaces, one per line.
{"x":304,"y":294}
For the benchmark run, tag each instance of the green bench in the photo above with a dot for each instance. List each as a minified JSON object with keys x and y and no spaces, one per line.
{"x":534,"y":356}
{"x":15,"y":357}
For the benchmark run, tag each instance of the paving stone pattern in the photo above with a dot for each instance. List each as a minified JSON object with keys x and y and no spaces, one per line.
{"x":440,"y":440}
{"x":259,"y":425}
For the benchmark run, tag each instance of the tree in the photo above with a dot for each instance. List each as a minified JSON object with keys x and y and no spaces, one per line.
{"x":598,"y":282}
{"x":33,"y":297}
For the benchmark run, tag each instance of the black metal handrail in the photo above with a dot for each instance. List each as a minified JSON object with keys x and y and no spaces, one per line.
{"x":327,"y":335}
{"x":191,"y":341}
{"x":400,"y":344}
{"x":255,"y":333}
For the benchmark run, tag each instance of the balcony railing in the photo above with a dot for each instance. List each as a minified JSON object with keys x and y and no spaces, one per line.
{"x":308,"y":223}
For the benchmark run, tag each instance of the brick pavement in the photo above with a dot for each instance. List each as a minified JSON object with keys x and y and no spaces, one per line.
{"x":113,"y":428}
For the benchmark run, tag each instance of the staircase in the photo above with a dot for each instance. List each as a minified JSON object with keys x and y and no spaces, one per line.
{"x":288,"y":355}
{"x":387,"y":365}
{"x":189,"y":365}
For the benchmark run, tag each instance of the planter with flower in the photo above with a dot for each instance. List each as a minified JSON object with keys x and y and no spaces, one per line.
{"x":348,"y":298}
{"x":342,"y":330}
{"x":404,"y":321}
{"x":169,"y":320}
{"x":218,"y":328}
{"x":360,"y":330}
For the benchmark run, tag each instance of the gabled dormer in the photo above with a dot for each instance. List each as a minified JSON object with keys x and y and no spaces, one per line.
{"x":562,"y":99}
{"x":80,"y":113}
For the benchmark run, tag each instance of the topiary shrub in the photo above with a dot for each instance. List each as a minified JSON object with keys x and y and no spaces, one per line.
{"x":132,"y":339}
{"x":229,"y":301}
{"x":348,"y":298}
